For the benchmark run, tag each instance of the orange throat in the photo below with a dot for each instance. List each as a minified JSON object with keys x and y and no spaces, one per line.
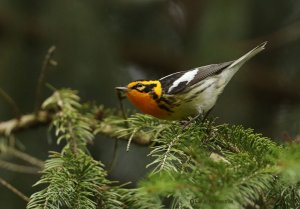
{"x":145,"y":103}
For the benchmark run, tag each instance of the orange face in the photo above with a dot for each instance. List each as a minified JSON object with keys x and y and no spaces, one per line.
{"x":143,"y":94}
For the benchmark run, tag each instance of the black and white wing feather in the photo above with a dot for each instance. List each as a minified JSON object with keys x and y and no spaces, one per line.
{"x":177,"y":82}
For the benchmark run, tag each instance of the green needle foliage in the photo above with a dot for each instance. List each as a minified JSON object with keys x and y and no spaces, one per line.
{"x":73,"y":179}
{"x":204,"y":165}
{"x":217,"y":166}
{"x":70,"y":125}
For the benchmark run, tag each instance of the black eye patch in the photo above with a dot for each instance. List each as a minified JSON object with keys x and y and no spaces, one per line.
{"x":147,"y":87}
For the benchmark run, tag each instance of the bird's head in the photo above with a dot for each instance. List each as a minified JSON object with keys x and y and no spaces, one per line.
{"x":142,"y":89}
{"x":144,"y":94}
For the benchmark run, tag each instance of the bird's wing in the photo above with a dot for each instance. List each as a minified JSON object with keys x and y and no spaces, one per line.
{"x":177,"y":82}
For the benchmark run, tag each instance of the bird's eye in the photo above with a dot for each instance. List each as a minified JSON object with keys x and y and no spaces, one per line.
{"x":139,"y":85}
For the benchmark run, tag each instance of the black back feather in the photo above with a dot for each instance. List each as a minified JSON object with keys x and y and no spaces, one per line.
{"x":203,"y":73}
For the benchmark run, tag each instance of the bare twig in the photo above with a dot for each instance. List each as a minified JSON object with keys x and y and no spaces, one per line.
{"x":47,"y":61}
{"x":24,"y":122}
{"x":120,"y":98}
{"x":26,"y":157}
{"x":114,"y":156}
{"x":14,"y":190}
{"x":11,"y":102}
{"x":42,"y":118}
{"x":18,"y":168}
{"x":116,"y":144}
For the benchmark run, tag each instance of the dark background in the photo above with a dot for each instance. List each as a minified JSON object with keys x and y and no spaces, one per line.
{"x":103,"y":44}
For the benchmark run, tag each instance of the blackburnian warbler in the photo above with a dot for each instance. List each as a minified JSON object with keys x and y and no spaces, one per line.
{"x":185,"y":94}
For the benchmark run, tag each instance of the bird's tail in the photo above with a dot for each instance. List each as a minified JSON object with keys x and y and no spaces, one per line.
{"x":239,"y":62}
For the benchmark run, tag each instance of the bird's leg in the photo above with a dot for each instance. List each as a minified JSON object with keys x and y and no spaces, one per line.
{"x":199,"y":115}
{"x":207,"y":113}
{"x":186,"y":123}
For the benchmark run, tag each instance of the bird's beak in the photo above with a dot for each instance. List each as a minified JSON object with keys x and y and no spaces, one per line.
{"x":124,"y":89}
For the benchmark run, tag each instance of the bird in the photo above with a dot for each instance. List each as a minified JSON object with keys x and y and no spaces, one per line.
{"x":185,"y":94}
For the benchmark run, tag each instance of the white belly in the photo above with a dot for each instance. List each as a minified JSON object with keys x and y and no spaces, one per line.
{"x":199,"y":100}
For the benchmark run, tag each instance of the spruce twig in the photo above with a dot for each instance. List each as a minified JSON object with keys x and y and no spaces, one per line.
{"x":130,"y":139}
{"x":240,"y":171}
{"x":25,"y":122}
{"x":43,"y":118}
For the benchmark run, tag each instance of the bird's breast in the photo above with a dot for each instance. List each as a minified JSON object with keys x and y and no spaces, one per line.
{"x":145,"y":103}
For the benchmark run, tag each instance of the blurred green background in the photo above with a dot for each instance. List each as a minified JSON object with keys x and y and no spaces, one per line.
{"x":103,"y":44}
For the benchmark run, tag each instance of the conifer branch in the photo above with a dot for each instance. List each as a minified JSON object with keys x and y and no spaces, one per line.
{"x":203,"y":166}
{"x":24,"y":122}
{"x":44,"y":117}
{"x":72,"y":179}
